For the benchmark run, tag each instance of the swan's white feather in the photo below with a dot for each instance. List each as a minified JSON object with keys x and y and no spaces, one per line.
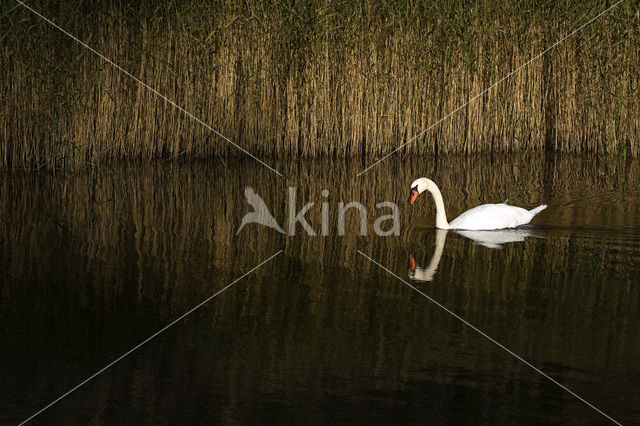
{"x":493,"y":216}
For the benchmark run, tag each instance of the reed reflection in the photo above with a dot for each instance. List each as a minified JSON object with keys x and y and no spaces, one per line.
{"x":110,"y":255}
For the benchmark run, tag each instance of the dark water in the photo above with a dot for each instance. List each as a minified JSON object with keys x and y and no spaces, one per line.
{"x":95,"y":263}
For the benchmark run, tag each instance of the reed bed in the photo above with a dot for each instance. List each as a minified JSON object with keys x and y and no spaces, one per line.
{"x":314,"y":78}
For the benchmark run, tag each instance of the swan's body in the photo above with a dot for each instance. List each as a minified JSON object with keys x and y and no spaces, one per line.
{"x":482,"y":218}
{"x":494,"y":216}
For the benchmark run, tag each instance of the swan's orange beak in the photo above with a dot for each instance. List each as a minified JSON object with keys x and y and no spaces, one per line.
{"x":413,"y":196}
{"x":412,"y":264}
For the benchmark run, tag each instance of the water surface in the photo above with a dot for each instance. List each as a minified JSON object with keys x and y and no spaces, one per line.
{"x":96,"y":262}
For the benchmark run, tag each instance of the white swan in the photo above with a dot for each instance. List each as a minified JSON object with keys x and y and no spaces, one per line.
{"x":482,"y":218}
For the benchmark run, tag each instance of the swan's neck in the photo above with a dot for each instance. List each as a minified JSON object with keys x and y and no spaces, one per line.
{"x":441,"y":215}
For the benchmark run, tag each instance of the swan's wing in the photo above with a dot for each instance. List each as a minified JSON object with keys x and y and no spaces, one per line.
{"x":491,"y":216}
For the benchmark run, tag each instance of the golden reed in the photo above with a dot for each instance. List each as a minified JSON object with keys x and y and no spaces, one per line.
{"x":314,"y":79}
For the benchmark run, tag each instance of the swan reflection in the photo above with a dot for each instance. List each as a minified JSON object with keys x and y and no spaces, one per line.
{"x":491,"y":239}
{"x":496,"y":239}
{"x":418,"y":273}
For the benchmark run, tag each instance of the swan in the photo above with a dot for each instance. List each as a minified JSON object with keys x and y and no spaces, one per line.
{"x":482,"y":218}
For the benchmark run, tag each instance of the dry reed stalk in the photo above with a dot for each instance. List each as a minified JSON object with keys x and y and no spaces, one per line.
{"x":315,"y":80}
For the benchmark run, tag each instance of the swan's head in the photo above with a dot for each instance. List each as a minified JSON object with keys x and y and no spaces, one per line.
{"x":418,"y":187}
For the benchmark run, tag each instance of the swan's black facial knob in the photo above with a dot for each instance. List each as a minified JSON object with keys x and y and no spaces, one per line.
{"x":413,"y":195}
